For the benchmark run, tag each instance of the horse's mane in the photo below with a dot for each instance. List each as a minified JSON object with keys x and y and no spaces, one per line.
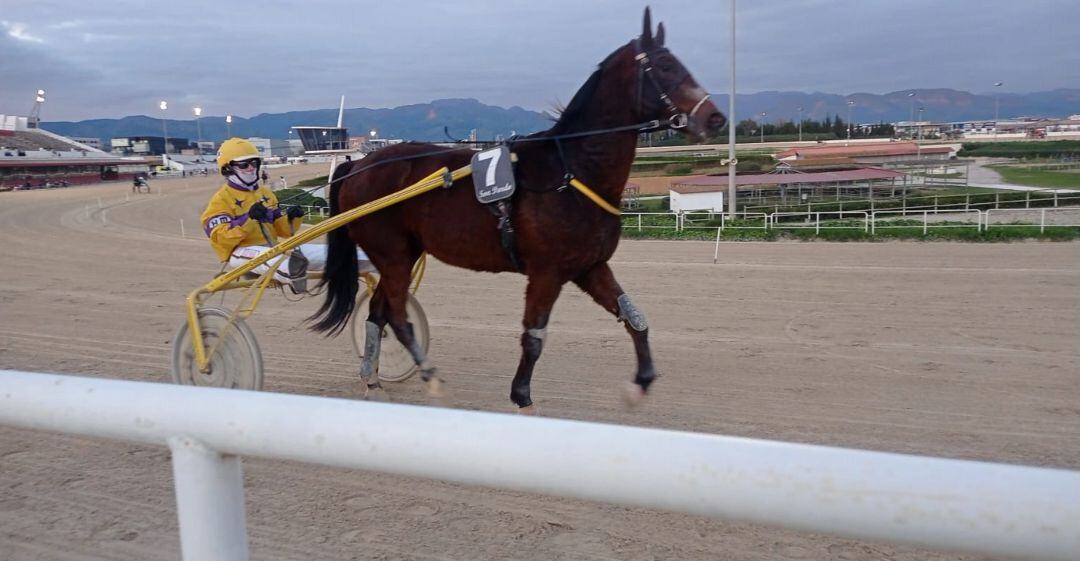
{"x":575,"y":110}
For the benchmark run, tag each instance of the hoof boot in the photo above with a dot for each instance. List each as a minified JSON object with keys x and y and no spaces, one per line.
{"x":633,"y":395}
{"x":435,"y":387}
{"x":375,"y":392}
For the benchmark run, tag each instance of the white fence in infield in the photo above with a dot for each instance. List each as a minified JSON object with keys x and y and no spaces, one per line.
{"x":965,"y":506}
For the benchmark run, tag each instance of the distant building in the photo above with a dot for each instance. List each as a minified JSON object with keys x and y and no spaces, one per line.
{"x":147,"y":145}
{"x":323,"y":139}
{"x":90,"y":141}
{"x":1027,"y":127}
{"x":271,"y":147}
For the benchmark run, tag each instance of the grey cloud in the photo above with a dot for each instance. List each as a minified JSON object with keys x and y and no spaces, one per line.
{"x":121,"y":57}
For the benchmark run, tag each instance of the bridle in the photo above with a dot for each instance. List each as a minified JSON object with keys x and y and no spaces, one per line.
{"x":676,"y":118}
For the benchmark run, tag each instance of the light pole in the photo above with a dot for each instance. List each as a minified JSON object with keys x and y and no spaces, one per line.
{"x":228,"y":126}
{"x":918,"y":144}
{"x":996,"y":106}
{"x":850,"y":104}
{"x":763,"y":127}
{"x":164,"y":105}
{"x":732,"y":161}
{"x":800,"y":122}
{"x":198,"y":129}
{"x":911,"y":99}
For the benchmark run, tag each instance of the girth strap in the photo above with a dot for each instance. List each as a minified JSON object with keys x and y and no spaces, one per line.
{"x":502,"y":209}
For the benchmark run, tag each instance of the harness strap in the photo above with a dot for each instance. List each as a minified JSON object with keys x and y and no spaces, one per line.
{"x":594,"y":197}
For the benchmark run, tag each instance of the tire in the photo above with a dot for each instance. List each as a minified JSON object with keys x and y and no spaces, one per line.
{"x":236,"y":362}
{"x":395,"y":362}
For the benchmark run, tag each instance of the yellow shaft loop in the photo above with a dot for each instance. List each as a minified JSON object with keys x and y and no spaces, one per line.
{"x":595,"y":198}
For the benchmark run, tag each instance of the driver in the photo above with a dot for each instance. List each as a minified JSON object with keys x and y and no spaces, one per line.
{"x":241,"y":215}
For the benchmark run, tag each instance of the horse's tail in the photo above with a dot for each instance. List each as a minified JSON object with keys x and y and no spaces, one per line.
{"x":341,"y":271}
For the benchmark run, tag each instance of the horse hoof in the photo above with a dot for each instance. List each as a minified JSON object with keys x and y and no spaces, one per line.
{"x":633,"y":395}
{"x":376,"y":393}
{"x":531,"y":410}
{"x":435,"y":387}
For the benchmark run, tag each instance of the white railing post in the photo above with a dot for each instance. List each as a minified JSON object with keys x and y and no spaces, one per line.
{"x":716,"y":253}
{"x":639,"y":222}
{"x":873,"y":223}
{"x":817,"y":223}
{"x":209,"y":502}
{"x":1042,"y":221}
{"x":924,"y":226}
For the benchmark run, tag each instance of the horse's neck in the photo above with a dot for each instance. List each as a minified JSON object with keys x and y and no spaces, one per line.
{"x":602,"y":161}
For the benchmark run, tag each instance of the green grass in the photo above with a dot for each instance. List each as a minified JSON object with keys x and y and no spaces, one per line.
{"x":315,"y":181}
{"x":1051,"y":148}
{"x":1034,"y":177}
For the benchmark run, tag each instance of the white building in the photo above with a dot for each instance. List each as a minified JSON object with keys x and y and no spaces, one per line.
{"x":687,"y":199}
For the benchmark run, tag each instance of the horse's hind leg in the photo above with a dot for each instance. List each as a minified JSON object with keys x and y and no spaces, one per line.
{"x":373,"y":328}
{"x":540,"y":296}
{"x":599,"y":282}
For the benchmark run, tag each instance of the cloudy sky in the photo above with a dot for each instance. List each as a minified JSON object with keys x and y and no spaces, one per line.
{"x":117,"y":58}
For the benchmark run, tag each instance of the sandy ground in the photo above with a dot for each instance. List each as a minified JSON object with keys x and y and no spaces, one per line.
{"x":956,"y":350}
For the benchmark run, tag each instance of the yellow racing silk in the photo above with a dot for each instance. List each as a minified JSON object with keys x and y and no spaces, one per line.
{"x":226,"y":223}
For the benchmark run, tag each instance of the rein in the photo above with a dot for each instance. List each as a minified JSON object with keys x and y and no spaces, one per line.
{"x":676,"y":120}
{"x":646,"y":126}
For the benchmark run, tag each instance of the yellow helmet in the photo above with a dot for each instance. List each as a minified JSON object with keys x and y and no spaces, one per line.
{"x":235,"y":150}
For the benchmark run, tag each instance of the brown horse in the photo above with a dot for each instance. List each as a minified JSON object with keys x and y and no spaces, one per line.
{"x":561,"y":235}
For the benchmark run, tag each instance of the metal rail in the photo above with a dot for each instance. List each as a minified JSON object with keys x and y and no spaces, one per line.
{"x":976,"y":507}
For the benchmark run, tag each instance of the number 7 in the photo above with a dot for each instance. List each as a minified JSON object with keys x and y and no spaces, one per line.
{"x":494,"y":156}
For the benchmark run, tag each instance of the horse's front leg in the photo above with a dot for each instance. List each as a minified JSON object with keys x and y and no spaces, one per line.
{"x":540,"y":296}
{"x":599,"y":282}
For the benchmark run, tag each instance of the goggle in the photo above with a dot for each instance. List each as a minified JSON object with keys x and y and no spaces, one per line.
{"x":245,"y":164}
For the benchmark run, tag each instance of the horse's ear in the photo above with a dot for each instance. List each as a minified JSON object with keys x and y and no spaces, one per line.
{"x":646,"y":33}
{"x":660,"y":35}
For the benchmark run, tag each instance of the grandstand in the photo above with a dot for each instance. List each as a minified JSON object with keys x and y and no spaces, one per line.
{"x":32,"y":158}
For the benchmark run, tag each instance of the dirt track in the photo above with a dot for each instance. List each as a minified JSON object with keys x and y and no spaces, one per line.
{"x":957,"y":350}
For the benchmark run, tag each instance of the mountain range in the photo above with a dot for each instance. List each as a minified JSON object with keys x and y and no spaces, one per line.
{"x":426,"y":121}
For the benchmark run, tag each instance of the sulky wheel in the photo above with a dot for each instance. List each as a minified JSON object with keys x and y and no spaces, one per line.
{"x":395,"y":362}
{"x":236,"y":361}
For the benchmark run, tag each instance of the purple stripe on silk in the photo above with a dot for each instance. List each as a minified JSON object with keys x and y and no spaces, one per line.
{"x":218,"y":220}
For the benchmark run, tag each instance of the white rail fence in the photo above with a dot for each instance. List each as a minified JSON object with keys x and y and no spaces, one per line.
{"x":1061,"y":217}
{"x":1024,"y":512}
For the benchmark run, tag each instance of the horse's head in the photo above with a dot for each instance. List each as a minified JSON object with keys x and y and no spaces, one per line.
{"x":667,"y":91}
